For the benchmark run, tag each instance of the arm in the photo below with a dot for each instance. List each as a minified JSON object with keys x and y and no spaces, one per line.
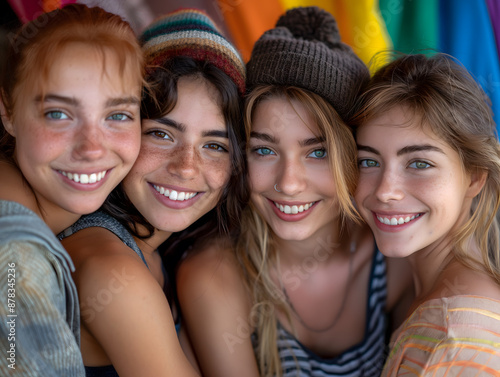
{"x":124,"y":308}
{"x":215,"y":309}
{"x":36,"y":333}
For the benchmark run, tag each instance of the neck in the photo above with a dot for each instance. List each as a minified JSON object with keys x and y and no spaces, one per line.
{"x":326,"y":244}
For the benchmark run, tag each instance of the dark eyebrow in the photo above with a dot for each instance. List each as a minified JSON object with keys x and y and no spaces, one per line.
{"x":419,"y":148}
{"x":182,"y":128}
{"x":367,"y":149}
{"x":171,"y":123}
{"x":264,"y":137}
{"x":122,"y":101}
{"x":405,"y":150}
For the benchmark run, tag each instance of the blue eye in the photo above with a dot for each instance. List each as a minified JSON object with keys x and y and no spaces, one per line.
{"x":56,"y":115}
{"x":419,"y":165}
{"x":367,"y":163}
{"x":119,"y":117}
{"x":318,"y":153}
{"x":263,"y":151}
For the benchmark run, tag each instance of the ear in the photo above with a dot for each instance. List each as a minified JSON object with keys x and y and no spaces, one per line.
{"x":477,"y":182}
{"x":6,"y":119}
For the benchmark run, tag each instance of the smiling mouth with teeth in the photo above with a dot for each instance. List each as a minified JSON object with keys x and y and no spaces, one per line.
{"x":398,"y":220}
{"x":293,"y":209}
{"x":84,"y":178}
{"x":175,"y":195}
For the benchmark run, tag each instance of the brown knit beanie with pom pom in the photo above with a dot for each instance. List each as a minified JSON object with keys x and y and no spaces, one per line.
{"x":304,"y":50}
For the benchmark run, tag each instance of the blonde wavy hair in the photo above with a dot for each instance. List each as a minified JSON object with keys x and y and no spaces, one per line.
{"x":443,"y":96}
{"x":256,"y":250}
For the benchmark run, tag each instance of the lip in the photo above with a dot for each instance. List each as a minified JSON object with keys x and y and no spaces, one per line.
{"x":84,"y":186}
{"x":174,"y":204}
{"x":292,"y":217}
{"x":399,"y":227}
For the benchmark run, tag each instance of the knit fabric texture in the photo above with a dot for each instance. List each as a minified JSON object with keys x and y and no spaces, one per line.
{"x":305,"y":50}
{"x":192,"y":33}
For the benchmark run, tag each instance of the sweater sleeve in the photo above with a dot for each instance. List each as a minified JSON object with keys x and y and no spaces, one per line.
{"x":35,"y":338}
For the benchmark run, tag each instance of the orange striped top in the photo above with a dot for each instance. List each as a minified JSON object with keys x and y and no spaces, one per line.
{"x":450,"y":336}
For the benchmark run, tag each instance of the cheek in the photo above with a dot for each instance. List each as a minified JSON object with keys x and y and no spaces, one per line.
{"x":126,"y":144}
{"x":149,"y":159}
{"x":260,"y":176}
{"x":217,"y":173}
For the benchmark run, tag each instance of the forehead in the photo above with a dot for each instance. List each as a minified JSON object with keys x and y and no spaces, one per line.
{"x":285,"y":118}
{"x":74,"y":59}
{"x":198,"y":104}
{"x":400,"y":121}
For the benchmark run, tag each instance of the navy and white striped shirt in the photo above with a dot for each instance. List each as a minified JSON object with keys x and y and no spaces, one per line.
{"x":365,"y":359}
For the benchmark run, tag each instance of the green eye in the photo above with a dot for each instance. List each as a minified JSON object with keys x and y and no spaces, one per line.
{"x":420,"y":165}
{"x":119,"y":117}
{"x":56,"y":115}
{"x":318,"y":153}
{"x":367,"y":163}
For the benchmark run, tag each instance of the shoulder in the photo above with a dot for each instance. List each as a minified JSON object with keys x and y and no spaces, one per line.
{"x":102,"y":260}
{"x":30,"y":261}
{"x":211,"y":272}
{"x":211,"y":263}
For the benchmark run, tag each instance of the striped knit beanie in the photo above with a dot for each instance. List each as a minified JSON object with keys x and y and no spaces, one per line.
{"x":304,"y":50}
{"x":191,"y":33}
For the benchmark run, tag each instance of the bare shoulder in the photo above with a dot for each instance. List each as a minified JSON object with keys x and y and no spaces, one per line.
{"x":459,"y":279}
{"x":211,"y":263}
{"x":101,"y":258}
{"x":211,"y":273}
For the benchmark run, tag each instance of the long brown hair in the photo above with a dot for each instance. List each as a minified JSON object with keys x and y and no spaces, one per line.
{"x":444,"y":96}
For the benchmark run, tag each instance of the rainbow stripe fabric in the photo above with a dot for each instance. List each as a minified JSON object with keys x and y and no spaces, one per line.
{"x":469,"y":30}
{"x":445,"y":337}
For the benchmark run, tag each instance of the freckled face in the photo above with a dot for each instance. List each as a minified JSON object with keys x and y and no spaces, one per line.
{"x":184,"y":164}
{"x":286,"y":149}
{"x":75,"y":144}
{"x":412,"y":189}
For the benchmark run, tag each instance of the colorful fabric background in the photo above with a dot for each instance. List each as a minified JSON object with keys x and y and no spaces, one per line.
{"x":469,"y":30}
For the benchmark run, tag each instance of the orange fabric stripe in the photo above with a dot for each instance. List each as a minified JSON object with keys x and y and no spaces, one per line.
{"x":248,"y":20}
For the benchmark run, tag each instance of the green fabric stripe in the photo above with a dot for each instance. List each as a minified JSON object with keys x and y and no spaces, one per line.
{"x":412,"y":25}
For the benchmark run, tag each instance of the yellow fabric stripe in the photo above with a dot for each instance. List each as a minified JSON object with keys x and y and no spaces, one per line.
{"x":360,"y":24}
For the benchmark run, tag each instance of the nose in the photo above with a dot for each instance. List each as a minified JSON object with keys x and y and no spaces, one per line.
{"x":389,"y":187}
{"x":292,"y":177}
{"x":184,"y":162}
{"x":89,"y":142}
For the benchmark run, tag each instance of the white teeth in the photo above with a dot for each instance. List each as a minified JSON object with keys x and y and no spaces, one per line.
{"x":84,"y":178}
{"x":395,"y":220}
{"x":175,"y":195}
{"x":293,"y":209}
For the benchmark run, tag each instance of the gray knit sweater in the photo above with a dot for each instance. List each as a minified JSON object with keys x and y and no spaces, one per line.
{"x":39,"y":313}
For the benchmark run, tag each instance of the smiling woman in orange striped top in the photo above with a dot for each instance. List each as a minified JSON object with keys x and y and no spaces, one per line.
{"x":429,"y":188}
